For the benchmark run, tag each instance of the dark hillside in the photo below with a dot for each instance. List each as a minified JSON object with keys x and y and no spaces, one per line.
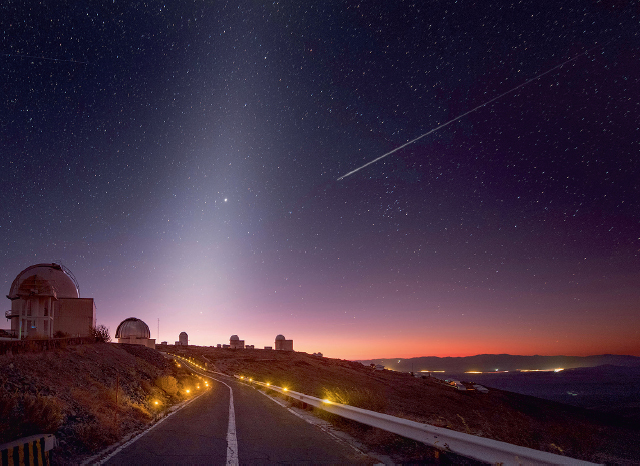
{"x":501,"y":415}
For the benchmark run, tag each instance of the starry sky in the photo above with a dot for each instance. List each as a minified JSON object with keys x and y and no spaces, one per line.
{"x":182,"y":160}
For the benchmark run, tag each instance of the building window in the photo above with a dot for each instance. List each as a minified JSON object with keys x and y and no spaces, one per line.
{"x":46,"y":311}
{"x":28,"y":308}
{"x":46,"y":327}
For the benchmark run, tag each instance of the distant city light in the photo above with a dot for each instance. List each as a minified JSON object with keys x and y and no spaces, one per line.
{"x":541,"y":370}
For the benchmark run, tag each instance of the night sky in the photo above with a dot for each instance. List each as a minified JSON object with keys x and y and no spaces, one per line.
{"x":182,"y":160}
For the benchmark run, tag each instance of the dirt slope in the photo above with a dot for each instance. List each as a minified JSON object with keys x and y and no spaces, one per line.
{"x":71,"y":393}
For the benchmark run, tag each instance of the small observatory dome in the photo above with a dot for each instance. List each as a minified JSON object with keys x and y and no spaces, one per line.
{"x":45,"y":280}
{"x":234,"y":338}
{"x":280,"y":338}
{"x":133,"y":327}
{"x":183,"y":338}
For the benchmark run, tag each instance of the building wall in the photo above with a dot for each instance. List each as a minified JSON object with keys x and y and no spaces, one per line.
{"x":236,"y":344}
{"x":148,"y":342}
{"x":284,"y":345}
{"x":75,"y":316}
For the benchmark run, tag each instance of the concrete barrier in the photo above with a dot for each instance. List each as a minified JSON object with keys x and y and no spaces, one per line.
{"x":33,"y":450}
{"x":470,"y":446}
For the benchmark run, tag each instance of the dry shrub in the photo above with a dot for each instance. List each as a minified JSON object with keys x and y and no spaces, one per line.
{"x":24,"y":415}
{"x":138,"y":411}
{"x":146,"y":386}
{"x":8,"y":407}
{"x":86,"y":398}
{"x":97,"y":434}
{"x":189,"y":382}
{"x":358,"y":397}
{"x":168,"y":384}
{"x":100,"y":333}
{"x":43,"y":414}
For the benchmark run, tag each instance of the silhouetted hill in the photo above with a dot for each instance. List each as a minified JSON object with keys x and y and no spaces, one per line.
{"x":502,"y":362}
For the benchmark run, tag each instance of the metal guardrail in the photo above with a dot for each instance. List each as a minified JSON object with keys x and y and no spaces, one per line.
{"x":28,"y":450}
{"x":469,"y":446}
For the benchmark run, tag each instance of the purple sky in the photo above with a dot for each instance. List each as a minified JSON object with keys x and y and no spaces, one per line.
{"x":182,"y":160}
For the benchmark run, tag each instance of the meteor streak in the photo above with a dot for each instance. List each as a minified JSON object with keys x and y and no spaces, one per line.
{"x":470,"y":111}
{"x":43,"y":58}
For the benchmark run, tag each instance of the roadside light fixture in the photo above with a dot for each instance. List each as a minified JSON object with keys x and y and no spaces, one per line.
{"x":326,"y":401}
{"x":285,"y":389}
{"x":268,"y":384}
{"x":188,"y":391}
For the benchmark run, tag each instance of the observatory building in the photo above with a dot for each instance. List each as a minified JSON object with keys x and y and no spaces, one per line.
{"x":282,"y":344}
{"x":45,"y":300}
{"x":135,"y":332}
{"x":183,"y":338}
{"x":235,"y":342}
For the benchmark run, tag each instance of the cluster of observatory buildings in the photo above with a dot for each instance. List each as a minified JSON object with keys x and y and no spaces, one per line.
{"x":46,"y":303}
{"x":281,"y":344}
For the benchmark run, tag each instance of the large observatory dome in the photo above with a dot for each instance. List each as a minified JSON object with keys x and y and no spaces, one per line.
{"x":45,"y":280}
{"x":133,"y":327}
{"x":280,"y":337}
{"x":234,"y":338}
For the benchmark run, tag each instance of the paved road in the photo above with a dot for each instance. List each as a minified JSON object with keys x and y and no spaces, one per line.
{"x":266,"y":434}
{"x":194,"y":435}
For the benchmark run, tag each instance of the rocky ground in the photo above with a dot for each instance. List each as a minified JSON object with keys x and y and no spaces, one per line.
{"x":501,"y":415}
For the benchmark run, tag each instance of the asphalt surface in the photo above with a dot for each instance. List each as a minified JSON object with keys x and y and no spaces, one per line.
{"x":194,"y":435}
{"x":266,"y":434}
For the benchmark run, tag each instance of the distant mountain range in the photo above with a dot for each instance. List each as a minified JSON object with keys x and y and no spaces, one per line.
{"x":502,"y":362}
